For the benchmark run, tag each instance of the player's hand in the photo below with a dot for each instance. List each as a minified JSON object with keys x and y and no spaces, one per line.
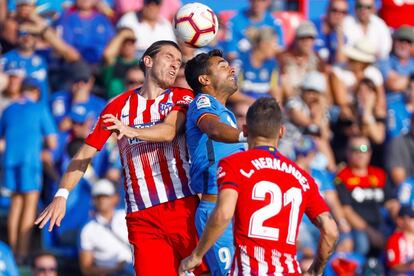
{"x":54,"y":212}
{"x":117,"y":126}
{"x":189,"y":264}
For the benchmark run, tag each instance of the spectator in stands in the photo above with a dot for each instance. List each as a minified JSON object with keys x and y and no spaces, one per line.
{"x":400,"y":156}
{"x":82,"y":81}
{"x":397,"y":68}
{"x":255,"y":16}
{"x":8,"y":35}
{"x":406,"y":192}
{"x":299,"y":59}
{"x":23,"y":125}
{"x":367,"y":25}
{"x":112,"y":257}
{"x":86,"y":29}
{"x":309,"y":113}
{"x":257,"y":68}
{"x":119,"y":57}
{"x":363,"y":190}
{"x":135,"y":78}
{"x":148,"y":25}
{"x":306,"y":152}
{"x":44,"y":264}
{"x":399,"y":112}
{"x":344,"y":79}
{"x":400,"y":246}
{"x":331,"y":35}
{"x":168,"y":7}
{"x":24,"y":9}
{"x":11,"y":93}
{"x":8,"y":265}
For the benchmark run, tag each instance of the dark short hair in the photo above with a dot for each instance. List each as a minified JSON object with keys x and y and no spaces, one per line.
{"x":154,"y":49}
{"x":264,"y":118}
{"x":198,"y":66}
{"x":38,"y":254}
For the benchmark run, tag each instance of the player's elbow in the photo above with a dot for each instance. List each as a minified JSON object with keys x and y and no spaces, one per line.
{"x":330,"y":232}
{"x":222,"y":216}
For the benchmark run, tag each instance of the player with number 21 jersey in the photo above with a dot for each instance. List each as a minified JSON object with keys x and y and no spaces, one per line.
{"x":272,"y":192}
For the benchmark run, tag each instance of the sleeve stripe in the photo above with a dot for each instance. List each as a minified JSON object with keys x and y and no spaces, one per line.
{"x":204,"y":115}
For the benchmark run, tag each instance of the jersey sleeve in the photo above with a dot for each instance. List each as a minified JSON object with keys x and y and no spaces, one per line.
{"x":393,"y":252}
{"x":227,"y":177}
{"x":203,"y":106}
{"x":182,"y":99}
{"x":99,"y":135}
{"x":316,"y":204}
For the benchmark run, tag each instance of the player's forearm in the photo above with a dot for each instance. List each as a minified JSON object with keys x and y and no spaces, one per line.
{"x":159,"y":133}
{"x":77,"y":167}
{"x":215,"y":227}
{"x":224,"y":133}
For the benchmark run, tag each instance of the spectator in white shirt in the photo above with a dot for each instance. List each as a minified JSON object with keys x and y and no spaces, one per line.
{"x":366,"y":24}
{"x":104,"y":246}
{"x":148,"y":25}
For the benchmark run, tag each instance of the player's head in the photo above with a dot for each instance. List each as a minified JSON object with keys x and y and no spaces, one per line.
{"x":161,"y":62}
{"x":264,"y":119}
{"x":208,"y":72}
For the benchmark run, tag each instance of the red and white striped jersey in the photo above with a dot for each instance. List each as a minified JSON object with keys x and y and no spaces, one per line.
{"x":400,"y":249}
{"x":273,"y":195}
{"x":154,"y":172}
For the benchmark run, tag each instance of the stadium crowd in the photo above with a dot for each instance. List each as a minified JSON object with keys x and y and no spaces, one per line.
{"x":345,"y":82}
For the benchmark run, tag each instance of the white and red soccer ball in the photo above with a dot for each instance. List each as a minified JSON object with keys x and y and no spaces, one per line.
{"x":195,"y":24}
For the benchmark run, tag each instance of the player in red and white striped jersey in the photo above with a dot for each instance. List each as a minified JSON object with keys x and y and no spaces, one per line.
{"x":268,"y":195}
{"x":149,"y":123}
{"x":400,"y":246}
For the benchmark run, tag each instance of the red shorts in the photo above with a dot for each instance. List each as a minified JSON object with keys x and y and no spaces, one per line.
{"x":163,"y":235}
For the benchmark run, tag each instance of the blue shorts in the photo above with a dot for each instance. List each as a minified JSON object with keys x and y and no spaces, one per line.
{"x":22,"y":178}
{"x":220,"y":257}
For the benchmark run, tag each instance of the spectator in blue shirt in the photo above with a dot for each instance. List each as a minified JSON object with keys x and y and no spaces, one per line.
{"x":23,"y":125}
{"x":26,"y":59}
{"x":406,"y":192}
{"x":400,"y":64}
{"x":399,"y":112}
{"x":257,"y":15}
{"x":8,"y":266}
{"x":86,"y":29}
{"x":331,"y":35}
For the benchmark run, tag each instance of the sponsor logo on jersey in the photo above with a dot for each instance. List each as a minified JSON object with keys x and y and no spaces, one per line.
{"x":203,"y":102}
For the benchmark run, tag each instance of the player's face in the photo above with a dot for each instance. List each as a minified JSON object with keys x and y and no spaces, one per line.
{"x":223,"y":76}
{"x":165,"y":66}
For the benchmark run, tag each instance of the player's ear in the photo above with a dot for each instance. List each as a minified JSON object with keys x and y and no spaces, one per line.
{"x":281,"y":131}
{"x":244,"y":129}
{"x":204,"y":80}
{"x":147,"y":61}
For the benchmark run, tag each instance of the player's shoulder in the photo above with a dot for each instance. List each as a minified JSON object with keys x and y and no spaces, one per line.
{"x":182,"y":95}
{"x":202,"y":101}
{"x":121,"y":98}
{"x":239,"y":158}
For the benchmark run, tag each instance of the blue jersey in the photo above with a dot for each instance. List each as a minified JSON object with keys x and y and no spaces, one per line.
{"x":205,"y":153}
{"x":34,"y":66}
{"x":398,"y":118}
{"x":8,"y":266}
{"x":88,"y":35}
{"x":24,"y":124}
{"x":406,"y":192}
{"x":236,"y":40}
{"x":394,"y":64}
{"x":61,"y":105}
{"x":257,"y":82}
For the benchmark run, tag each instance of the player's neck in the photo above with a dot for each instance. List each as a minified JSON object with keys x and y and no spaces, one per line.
{"x":221,"y":97}
{"x":150,"y":90}
{"x":261,"y":141}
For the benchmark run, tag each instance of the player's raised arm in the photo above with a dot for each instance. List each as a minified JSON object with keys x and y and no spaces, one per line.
{"x":216,"y":224}
{"x":57,"y":208}
{"x":163,"y":132}
{"x":218,"y":131}
{"x":327,"y":241}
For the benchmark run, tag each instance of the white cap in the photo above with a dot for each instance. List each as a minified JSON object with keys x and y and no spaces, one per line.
{"x":363,"y":50}
{"x":315,"y":81}
{"x":103,"y":187}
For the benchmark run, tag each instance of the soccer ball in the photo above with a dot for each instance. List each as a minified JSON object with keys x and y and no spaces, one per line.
{"x":195,"y":24}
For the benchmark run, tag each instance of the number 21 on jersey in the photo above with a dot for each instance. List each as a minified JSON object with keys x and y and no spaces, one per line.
{"x":292,"y":197}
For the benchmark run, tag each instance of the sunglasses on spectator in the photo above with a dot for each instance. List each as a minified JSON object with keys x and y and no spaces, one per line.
{"x":45,"y":269}
{"x":360,"y":148}
{"x":362,"y":6}
{"x":335,"y":10}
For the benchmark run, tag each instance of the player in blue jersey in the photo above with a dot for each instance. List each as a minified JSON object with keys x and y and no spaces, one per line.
{"x":24,"y":125}
{"x":211,"y":133}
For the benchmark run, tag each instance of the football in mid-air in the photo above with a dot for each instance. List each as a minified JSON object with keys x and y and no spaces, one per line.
{"x":195,"y":24}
